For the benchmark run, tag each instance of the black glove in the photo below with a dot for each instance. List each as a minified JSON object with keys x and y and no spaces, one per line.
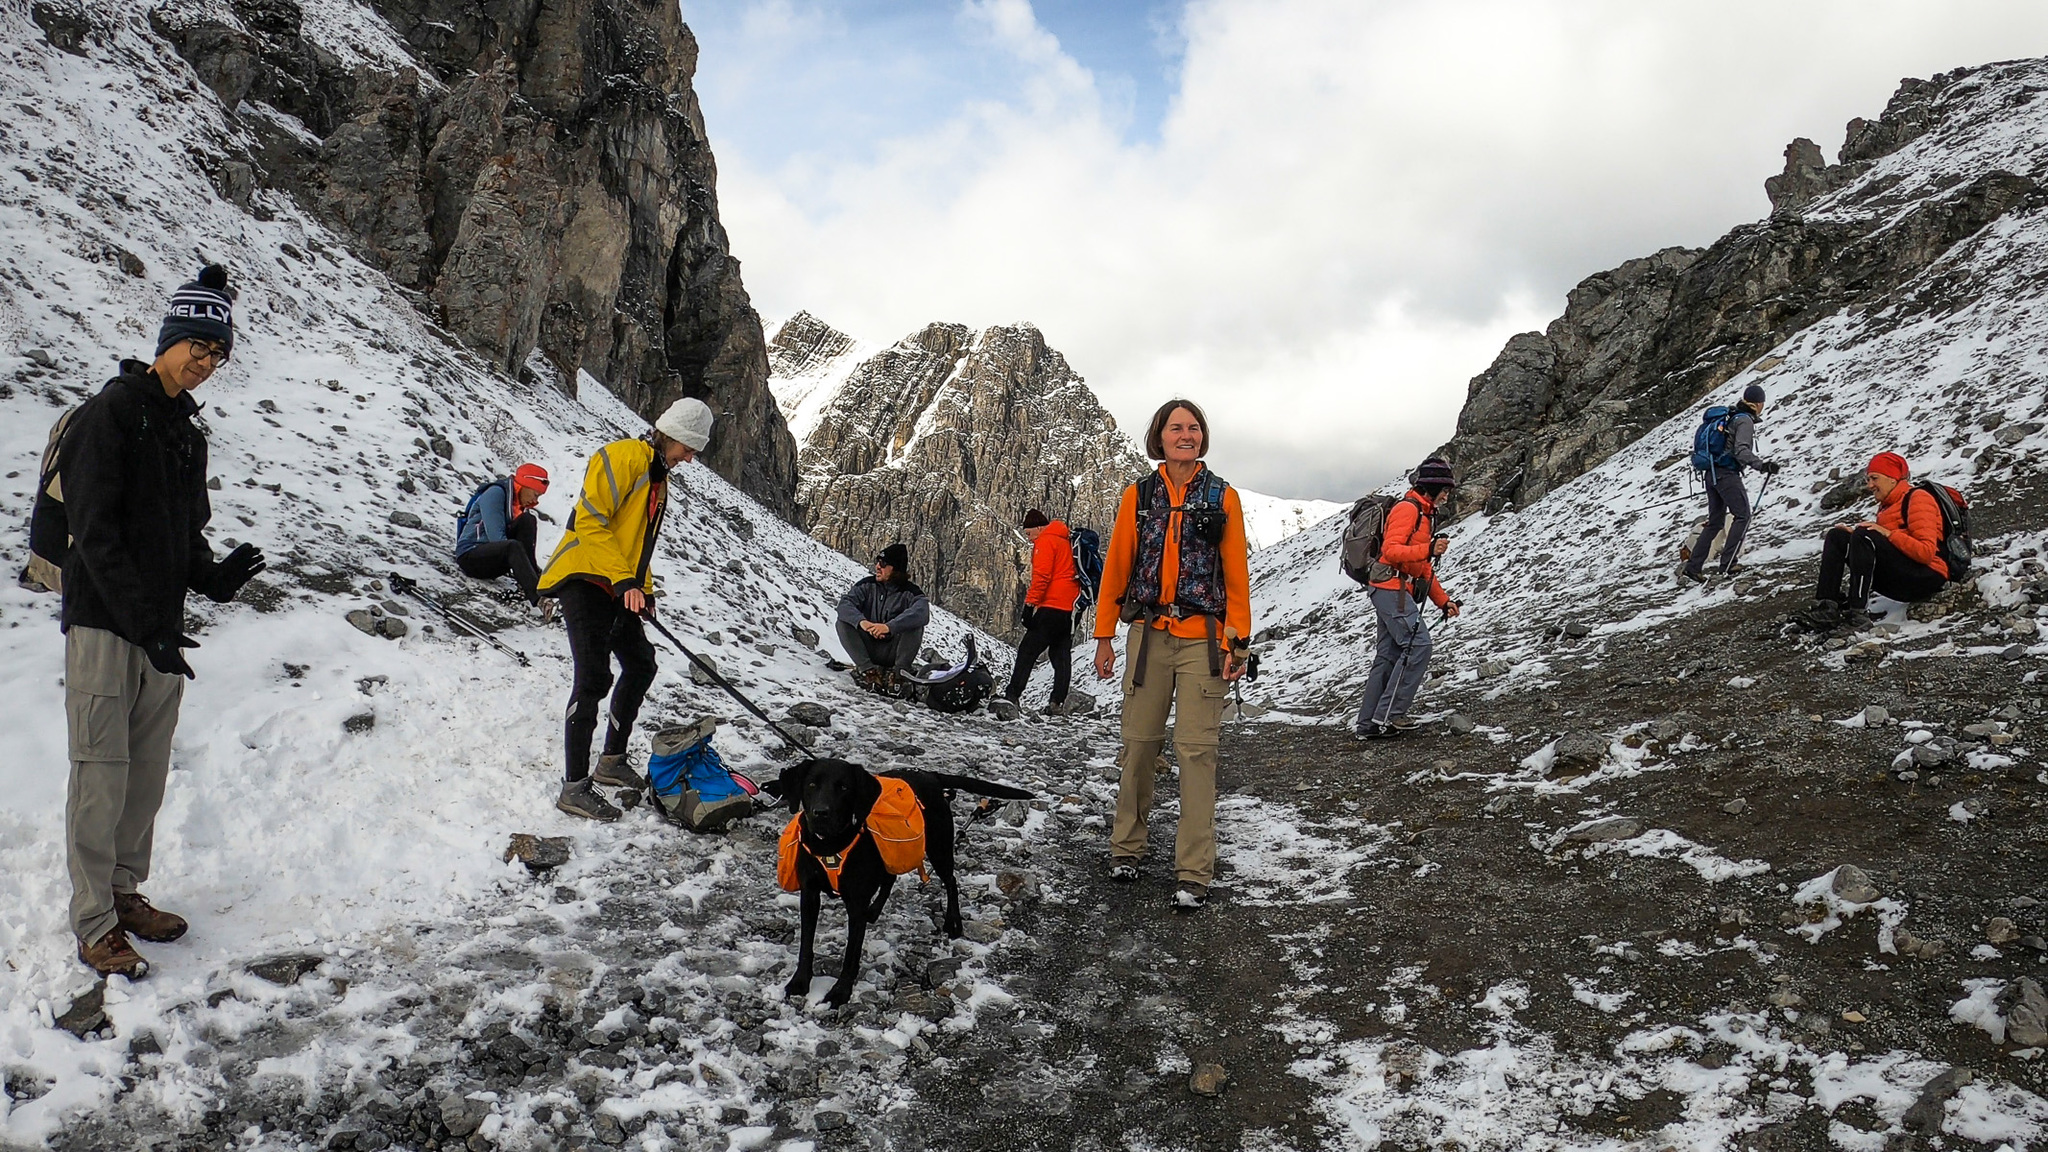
{"x":165,"y":657}
{"x":230,"y":574}
{"x":1768,"y":467}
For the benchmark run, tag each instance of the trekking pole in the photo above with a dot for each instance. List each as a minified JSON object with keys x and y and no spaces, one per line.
{"x":721,"y":681}
{"x":411,"y":588}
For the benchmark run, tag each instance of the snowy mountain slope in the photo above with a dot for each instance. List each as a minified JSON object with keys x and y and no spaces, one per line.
{"x":1270,"y":519}
{"x":332,"y":791}
{"x":1951,"y":371}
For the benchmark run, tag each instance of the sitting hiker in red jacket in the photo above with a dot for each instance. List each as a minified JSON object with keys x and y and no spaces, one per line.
{"x":1050,"y":600}
{"x":1898,"y":555}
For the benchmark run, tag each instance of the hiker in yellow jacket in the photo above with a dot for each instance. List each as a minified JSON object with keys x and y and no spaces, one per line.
{"x":599,"y":573}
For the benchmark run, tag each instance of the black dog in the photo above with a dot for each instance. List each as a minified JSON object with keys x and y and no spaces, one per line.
{"x":834,"y":798}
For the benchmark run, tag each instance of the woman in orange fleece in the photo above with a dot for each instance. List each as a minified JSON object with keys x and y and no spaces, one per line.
{"x":1178,"y":573}
{"x":1050,"y":600}
{"x":1404,"y":576}
{"x":1898,"y":555}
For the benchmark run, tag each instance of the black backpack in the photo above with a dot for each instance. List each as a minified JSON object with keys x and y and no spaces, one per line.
{"x":1365,"y":535}
{"x":961,"y":688}
{"x":1087,"y":564}
{"x":1956,"y":547}
{"x":49,"y":527}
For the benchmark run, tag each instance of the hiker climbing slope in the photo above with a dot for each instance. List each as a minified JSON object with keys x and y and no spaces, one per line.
{"x":1725,"y":445}
{"x":133,"y":464}
{"x":1178,"y":574}
{"x":1404,"y":575}
{"x":497,"y":532}
{"x":599,"y":572}
{"x":1899,"y":555}
{"x":1049,"y":629}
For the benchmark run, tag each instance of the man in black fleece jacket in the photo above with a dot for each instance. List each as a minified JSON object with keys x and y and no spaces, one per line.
{"x":133,"y":465}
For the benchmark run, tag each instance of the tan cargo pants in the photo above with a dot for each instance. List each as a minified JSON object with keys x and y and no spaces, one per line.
{"x":1177,"y":677}
{"x":122,"y":713}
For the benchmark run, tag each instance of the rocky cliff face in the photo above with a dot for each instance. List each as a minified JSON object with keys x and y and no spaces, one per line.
{"x":942,"y":441}
{"x":1641,"y":342}
{"x":534,"y":174}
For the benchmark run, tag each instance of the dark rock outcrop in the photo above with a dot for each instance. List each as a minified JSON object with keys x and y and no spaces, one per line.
{"x":538,"y":175}
{"x":943,"y":441}
{"x":1641,"y":342}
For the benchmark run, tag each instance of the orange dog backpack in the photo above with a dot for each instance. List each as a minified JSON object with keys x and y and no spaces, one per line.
{"x":895,"y":824}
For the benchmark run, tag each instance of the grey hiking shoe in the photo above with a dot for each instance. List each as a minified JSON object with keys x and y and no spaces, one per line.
{"x":1401,"y":723}
{"x":617,"y":772}
{"x":1189,"y":896}
{"x":580,"y":798}
{"x":1123,"y":870}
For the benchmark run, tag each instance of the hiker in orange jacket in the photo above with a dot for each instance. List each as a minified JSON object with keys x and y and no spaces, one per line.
{"x":1898,"y":555}
{"x":1178,"y":573}
{"x":1049,"y":602}
{"x":1408,"y":550}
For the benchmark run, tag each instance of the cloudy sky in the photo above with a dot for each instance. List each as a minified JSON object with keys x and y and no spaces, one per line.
{"x":1319,"y":218}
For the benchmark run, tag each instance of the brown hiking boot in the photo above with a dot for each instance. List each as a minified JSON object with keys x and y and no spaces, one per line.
{"x":152,"y":924}
{"x":112,"y":955}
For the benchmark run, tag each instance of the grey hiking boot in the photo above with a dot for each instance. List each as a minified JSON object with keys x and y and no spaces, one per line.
{"x":1189,"y":896}
{"x":617,"y":772}
{"x":580,"y":798}
{"x":1401,"y":723}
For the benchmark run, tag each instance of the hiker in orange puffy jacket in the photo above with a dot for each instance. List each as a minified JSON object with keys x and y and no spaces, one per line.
{"x":1407,"y":551}
{"x":1898,"y":555}
{"x":1049,"y":627}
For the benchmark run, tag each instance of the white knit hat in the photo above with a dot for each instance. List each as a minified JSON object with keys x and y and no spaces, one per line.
{"x":688,"y":422}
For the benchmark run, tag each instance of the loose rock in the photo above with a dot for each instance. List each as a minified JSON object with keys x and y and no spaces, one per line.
{"x":1602,"y":831}
{"x":1460,"y":725}
{"x":1208,"y":1080}
{"x":1579,"y":752}
{"x":87,"y":1014}
{"x":815,"y":715}
{"x":1853,"y":884}
{"x":285,"y":970}
{"x":406,"y":519}
{"x":538,"y":853}
{"x":1002,"y":709}
{"x":2001,"y":931}
{"x":1736,"y":807}
{"x":2025,"y":1007}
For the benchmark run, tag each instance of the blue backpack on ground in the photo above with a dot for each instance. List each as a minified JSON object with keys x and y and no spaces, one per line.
{"x":691,"y":784}
{"x":1087,"y":564}
{"x":1710,"y":451}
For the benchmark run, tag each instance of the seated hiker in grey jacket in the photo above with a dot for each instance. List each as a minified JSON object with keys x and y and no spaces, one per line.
{"x":882,"y":618}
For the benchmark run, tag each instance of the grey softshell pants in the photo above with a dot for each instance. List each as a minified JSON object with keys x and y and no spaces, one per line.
{"x":1727,"y":500}
{"x":122,"y":713}
{"x":1402,"y":659}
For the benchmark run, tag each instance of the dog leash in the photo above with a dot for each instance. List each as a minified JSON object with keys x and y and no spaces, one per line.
{"x":721,"y":681}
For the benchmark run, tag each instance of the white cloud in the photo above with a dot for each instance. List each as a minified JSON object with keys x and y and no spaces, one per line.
{"x":1350,"y":205}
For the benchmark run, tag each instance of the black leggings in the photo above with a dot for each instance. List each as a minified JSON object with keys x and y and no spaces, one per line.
{"x":513,"y":554}
{"x":599,"y":629}
{"x":1050,"y":630}
{"x":1874,"y":564}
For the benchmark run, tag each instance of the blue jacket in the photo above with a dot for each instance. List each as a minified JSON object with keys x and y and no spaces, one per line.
{"x":484,"y":518}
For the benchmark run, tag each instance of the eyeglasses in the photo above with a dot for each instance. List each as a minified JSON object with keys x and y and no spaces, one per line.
{"x":207,"y":350}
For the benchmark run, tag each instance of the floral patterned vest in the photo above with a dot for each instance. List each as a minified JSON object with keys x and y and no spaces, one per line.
{"x":1198,"y":588}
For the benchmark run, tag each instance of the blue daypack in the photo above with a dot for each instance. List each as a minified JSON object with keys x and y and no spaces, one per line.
{"x":691,"y":784}
{"x":1710,"y":450}
{"x":1087,"y":564}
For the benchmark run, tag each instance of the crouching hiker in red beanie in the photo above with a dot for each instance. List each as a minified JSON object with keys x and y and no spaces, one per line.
{"x":497,"y":533}
{"x":1898,"y":555}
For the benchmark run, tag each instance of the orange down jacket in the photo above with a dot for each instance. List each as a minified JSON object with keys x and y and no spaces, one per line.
{"x":1053,"y":584}
{"x":1914,"y":519}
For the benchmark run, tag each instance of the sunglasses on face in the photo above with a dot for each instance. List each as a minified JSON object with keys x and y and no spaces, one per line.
{"x":207,"y":350}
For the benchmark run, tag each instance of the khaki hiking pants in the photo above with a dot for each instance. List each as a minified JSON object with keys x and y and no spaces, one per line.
{"x":1177,"y":676}
{"x":122,"y":713}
